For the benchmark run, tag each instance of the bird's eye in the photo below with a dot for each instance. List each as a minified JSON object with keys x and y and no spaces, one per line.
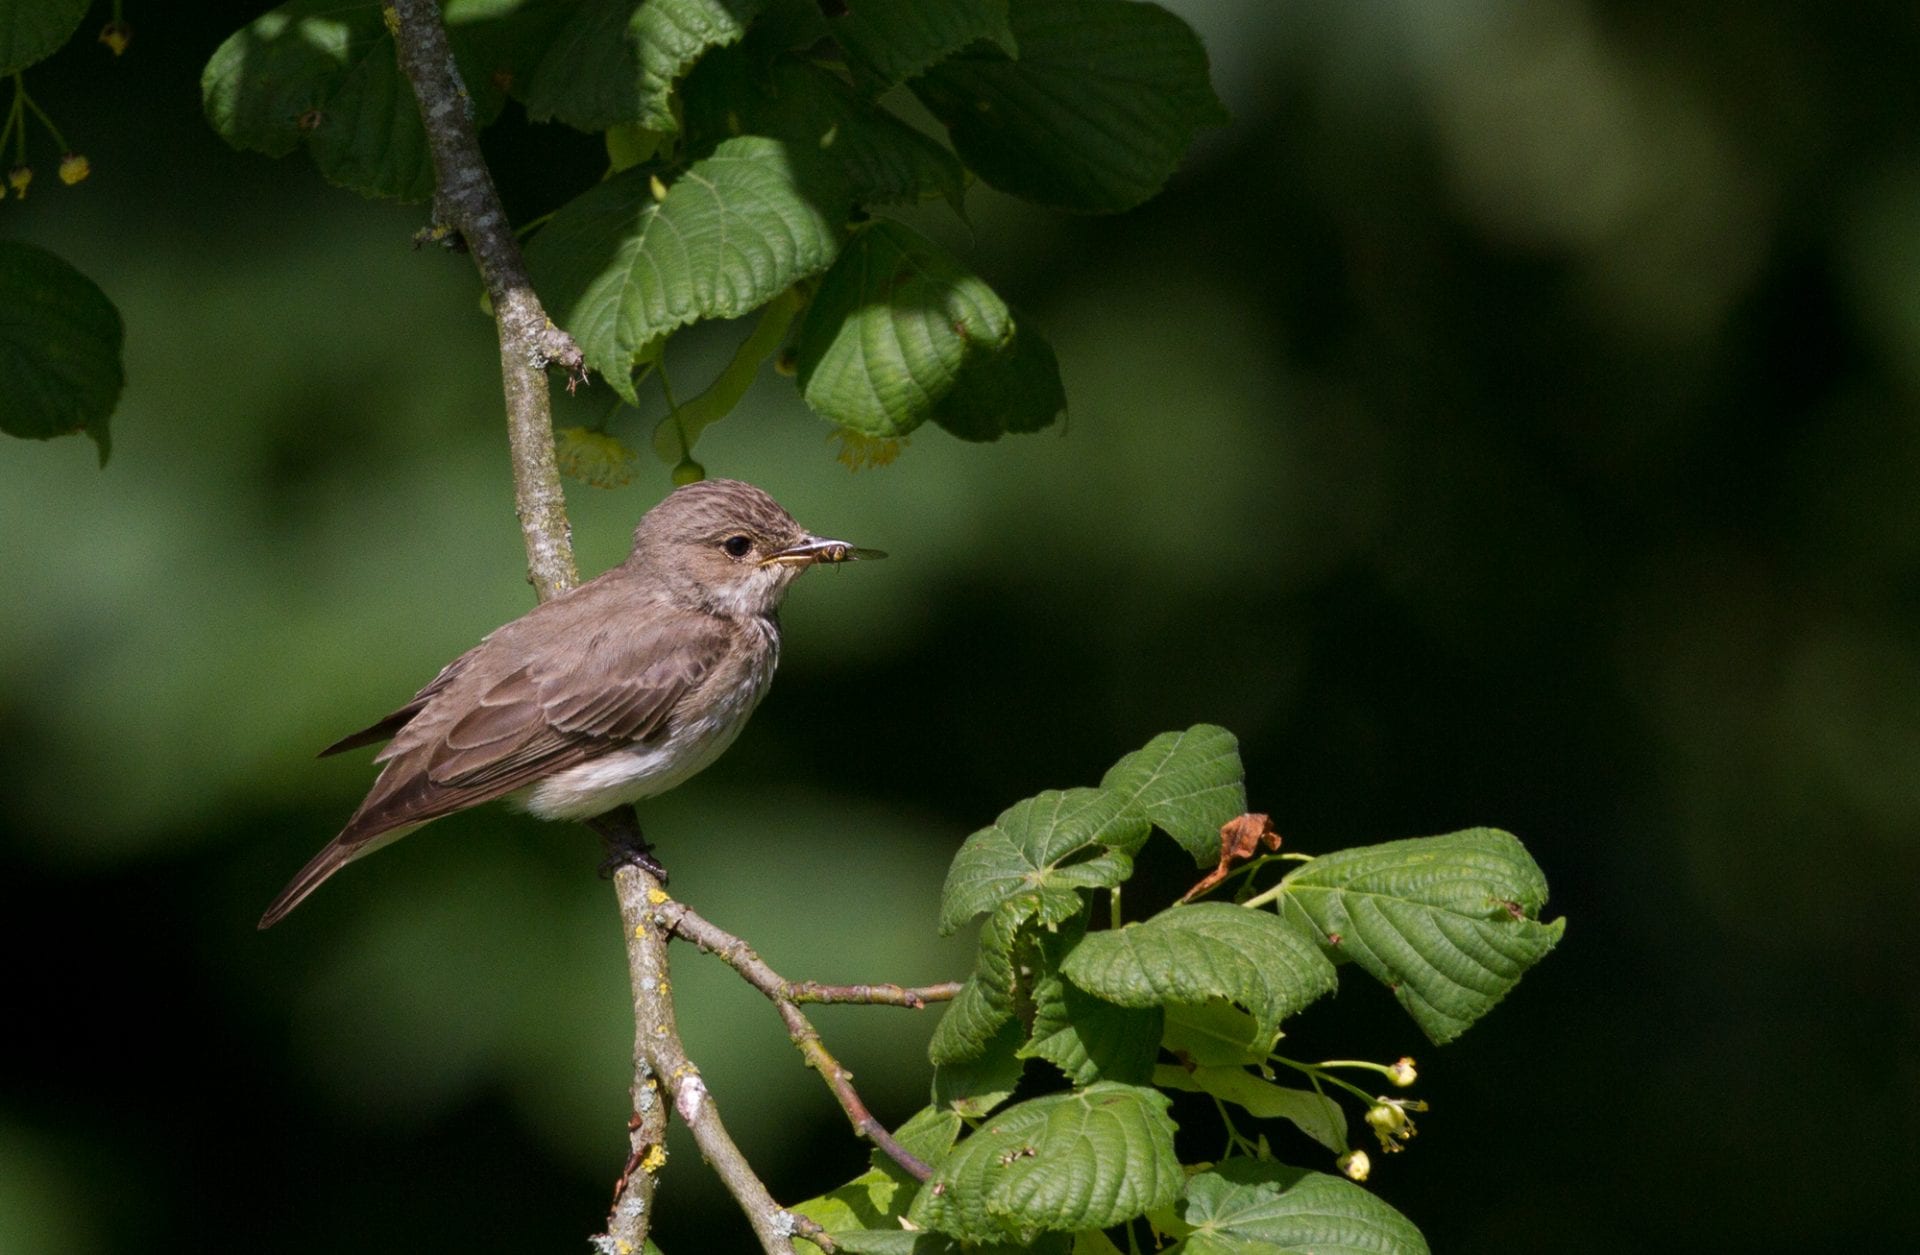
{"x":737,"y":546}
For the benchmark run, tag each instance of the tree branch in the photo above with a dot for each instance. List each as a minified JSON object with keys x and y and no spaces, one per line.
{"x":683,"y":921}
{"x":631,"y":1215}
{"x":657,"y":1050}
{"x":465,"y":200}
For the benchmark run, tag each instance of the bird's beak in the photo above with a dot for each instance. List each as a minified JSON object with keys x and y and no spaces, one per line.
{"x":818,"y":549}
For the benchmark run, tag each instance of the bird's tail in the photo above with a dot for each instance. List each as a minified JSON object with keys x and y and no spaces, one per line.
{"x":337,"y":853}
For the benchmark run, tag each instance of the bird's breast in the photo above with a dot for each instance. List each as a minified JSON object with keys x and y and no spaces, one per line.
{"x":702,"y":727}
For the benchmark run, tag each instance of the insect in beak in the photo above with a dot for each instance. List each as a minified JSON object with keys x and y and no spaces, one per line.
{"x":814,"y":549}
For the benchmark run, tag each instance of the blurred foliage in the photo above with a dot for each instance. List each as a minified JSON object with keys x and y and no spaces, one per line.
{"x":1511,"y":418}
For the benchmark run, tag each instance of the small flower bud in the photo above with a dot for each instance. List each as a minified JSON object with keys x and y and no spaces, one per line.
{"x":1386,"y":1118}
{"x":1355,"y":1165}
{"x":18,"y":178}
{"x":116,"y":35}
{"x":1402,"y":1073}
{"x":658,"y":188}
{"x":1390,"y":1123}
{"x":688,"y":472}
{"x":74,"y":168}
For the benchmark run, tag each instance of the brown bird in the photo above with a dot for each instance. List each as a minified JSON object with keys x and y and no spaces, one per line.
{"x":613,"y":692}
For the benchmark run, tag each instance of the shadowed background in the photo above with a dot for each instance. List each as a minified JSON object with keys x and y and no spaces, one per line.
{"x":1511,"y":419}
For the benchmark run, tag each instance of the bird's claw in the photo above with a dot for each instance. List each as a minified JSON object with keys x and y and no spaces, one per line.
{"x":626,"y":845}
{"x":623,"y":854}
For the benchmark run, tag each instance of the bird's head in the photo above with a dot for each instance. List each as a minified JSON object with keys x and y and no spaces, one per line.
{"x":726,"y":545}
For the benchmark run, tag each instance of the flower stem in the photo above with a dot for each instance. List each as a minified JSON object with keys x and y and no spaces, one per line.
{"x":14,"y":120}
{"x":1318,"y":1073}
{"x":20,"y":94}
{"x":1368,"y":1064}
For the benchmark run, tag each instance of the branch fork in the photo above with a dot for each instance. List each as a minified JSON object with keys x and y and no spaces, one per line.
{"x":681,"y":920}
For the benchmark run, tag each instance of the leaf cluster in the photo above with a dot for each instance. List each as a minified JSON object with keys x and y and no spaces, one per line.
{"x":755,"y":147}
{"x":1190,"y":999}
{"x":60,"y":337}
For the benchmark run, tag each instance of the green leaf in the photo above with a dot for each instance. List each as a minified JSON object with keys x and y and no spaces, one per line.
{"x":968,"y":1026}
{"x":909,"y":1242}
{"x":1094,"y":115}
{"x":973,"y":1019}
{"x":1003,"y":975}
{"x":1259,"y":1207}
{"x":1210,"y":949}
{"x":33,"y":30}
{"x":1316,"y":1115}
{"x":1050,"y":845}
{"x":866,"y":1202}
{"x":322,"y":73}
{"x":974,"y":1086}
{"x":891,"y":1242}
{"x":498,"y":43}
{"x":60,"y":340}
{"x":1215,"y":1033}
{"x":875,"y":1198}
{"x":1089,"y":1038}
{"x":928,"y":1134}
{"x":368,"y":136}
{"x":893,"y":327}
{"x":885,"y":161}
{"x":1083,"y":1160}
{"x":1185,"y":783}
{"x":620,"y":270}
{"x":1013,"y":391}
{"x":788,"y":26}
{"x":679,"y":428}
{"x":629,"y":144}
{"x":271,"y":85}
{"x":890,"y":41}
{"x":1449,"y":923}
{"x":888,"y":1242}
{"x":617,"y":60}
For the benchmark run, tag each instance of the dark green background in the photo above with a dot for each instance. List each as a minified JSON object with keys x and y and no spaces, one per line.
{"x":1511,"y":419}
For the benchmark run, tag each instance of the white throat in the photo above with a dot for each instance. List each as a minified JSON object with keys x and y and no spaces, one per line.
{"x":760,"y":593}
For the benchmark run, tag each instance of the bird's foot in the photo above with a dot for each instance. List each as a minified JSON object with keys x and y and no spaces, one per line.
{"x":640,"y":856}
{"x":626,"y":847}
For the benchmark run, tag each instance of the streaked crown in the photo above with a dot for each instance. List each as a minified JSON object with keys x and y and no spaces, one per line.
{"x":707,"y":512}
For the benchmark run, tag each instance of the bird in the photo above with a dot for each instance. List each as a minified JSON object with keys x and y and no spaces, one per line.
{"x":615,"y":691}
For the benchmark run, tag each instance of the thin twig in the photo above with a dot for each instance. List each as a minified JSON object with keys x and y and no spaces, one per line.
{"x":465,"y":201}
{"x":683,"y":921}
{"x":916,"y":998}
{"x":812,"y":1231}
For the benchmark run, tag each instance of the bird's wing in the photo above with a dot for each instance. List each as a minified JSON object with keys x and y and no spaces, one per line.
{"x":526,"y":724}
{"x":542,"y":718}
{"x":399,"y":719}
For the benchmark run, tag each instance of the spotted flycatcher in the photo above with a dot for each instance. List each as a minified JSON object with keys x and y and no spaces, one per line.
{"x":613,"y":692}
